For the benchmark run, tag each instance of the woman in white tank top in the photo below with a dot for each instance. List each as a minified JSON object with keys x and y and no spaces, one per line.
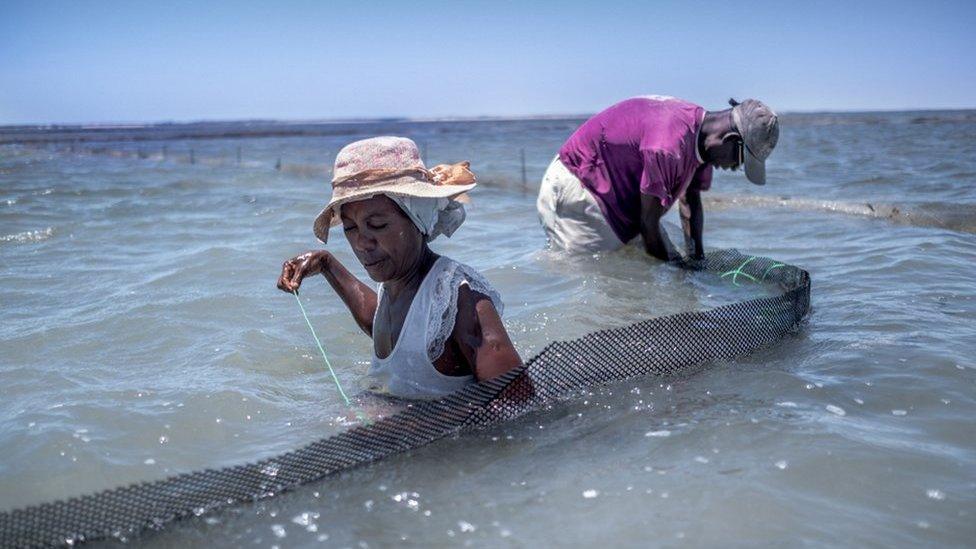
{"x":435,"y":323}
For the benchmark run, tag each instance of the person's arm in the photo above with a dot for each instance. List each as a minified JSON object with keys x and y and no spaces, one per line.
{"x":481,"y":336}
{"x":692,"y":221}
{"x":656,"y":241}
{"x":358,"y":297}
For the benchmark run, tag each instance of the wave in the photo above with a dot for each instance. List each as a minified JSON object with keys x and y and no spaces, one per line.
{"x":28,"y":236}
{"x":954,"y":217}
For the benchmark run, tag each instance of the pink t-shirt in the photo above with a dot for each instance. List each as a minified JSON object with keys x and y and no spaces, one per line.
{"x":645,"y":145}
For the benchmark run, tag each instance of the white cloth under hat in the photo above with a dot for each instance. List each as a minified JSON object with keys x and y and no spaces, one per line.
{"x":432,"y":216}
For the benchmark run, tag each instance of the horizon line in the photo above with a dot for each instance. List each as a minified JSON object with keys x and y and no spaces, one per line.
{"x":417,"y":119}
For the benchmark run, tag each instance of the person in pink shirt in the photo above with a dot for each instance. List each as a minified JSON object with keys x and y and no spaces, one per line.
{"x":624,"y":168}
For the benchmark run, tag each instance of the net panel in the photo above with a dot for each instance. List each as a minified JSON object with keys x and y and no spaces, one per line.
{"x":663,"y":346}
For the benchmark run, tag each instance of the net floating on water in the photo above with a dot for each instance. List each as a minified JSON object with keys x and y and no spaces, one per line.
{"x":663,"y":346}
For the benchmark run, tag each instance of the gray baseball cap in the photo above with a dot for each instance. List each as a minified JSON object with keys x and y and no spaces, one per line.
{"x":759,"y":128}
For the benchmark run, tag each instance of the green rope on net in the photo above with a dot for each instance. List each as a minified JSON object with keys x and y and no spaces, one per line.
{"x":738,"y":271}
{"x":770,"y":268}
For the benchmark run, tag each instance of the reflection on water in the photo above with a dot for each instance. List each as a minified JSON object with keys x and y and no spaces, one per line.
{"x":142,"y":335}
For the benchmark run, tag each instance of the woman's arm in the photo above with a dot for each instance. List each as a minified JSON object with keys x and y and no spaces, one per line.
{"x":481,"y":336}
{"x":692,"y":221}
{"x":656,"y":241}
{"x":358,"y":297}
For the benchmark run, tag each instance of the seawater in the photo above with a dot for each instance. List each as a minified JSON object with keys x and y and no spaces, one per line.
{"x":141,"y":335}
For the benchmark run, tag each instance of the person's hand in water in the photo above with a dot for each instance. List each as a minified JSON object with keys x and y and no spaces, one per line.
{"x":300,"y":267}
{"x":690,"y":263}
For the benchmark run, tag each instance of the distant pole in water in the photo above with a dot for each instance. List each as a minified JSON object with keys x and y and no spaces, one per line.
{"x":278,"y":164}
{"x":165,"y":151}
{"x":238,"y":155}
{"x":425,"y":153}
{"x":193,"y":157}
{"x":524,"y":180}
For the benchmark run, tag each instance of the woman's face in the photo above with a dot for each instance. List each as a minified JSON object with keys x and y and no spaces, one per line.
{"x":383,"y":238}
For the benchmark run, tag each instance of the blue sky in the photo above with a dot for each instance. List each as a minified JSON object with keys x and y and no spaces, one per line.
{"x":76,"y":62}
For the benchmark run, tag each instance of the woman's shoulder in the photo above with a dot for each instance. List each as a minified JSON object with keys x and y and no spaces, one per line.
{"x":450,"y":264}
{"x":453,"y":275}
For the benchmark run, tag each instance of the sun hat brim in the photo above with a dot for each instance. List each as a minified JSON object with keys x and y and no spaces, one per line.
{"x":755,"y":168}
{"x":403,"y":186}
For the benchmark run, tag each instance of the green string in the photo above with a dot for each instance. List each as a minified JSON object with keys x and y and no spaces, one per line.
{"x":738,"y":271}
{"x":770,"y":268}
{"x":335,"y":378}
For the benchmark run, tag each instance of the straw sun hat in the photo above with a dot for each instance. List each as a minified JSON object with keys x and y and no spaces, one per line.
{"x":390,"y":166}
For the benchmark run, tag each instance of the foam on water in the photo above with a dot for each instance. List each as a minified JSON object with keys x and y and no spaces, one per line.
{"x":28,"y":236}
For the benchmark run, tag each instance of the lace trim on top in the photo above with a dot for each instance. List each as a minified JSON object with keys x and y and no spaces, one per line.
{"x":444,"y":303}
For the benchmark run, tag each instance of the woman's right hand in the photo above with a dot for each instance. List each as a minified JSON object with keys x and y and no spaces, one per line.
{"x":299,"y":267}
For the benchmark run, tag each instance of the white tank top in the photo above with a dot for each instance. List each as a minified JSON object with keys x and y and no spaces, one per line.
{"x":409,"y":372}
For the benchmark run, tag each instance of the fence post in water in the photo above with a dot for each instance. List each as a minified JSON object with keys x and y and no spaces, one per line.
{"x":238,"y":155}
{"x":524,"y":180}
{"x":193,"y":157}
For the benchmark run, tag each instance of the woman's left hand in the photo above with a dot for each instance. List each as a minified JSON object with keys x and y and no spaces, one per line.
{"x":299,"y":267}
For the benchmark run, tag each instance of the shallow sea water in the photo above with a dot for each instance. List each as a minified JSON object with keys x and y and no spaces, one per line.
{"x":141,"y":335}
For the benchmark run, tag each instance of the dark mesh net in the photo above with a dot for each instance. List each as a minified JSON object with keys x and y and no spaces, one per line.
{"x":663,"y":346}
